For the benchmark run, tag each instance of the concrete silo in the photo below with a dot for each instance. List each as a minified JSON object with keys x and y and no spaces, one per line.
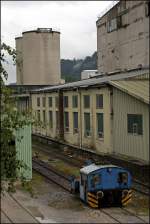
{"x":19,"y":60}
{"x":41,"y":57}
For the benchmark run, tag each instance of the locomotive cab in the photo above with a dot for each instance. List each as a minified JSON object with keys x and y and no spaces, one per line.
{"x":106,"y":185}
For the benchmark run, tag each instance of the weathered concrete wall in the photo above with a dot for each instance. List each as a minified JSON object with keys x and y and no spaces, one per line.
{"x":127,"y":46}
{"x":40,"y":57}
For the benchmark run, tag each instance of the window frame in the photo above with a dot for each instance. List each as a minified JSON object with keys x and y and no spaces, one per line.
{"x":38,"y":101}
{"x":75,"y":127}
{"x":44,"y":101}
{"x":66,"y":121}
{"x":50,"y":118}
{"x":75,"y":101}
{"x":100,"y":133}
{"x":87,"y":133}
{"x":50,"y":101}
{"x":86,"y":104}
{"x":99,"y":104}
{"x":66,"y":101}
{"x":135,"y":122}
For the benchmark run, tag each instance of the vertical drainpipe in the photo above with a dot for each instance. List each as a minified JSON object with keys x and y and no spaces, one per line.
{"x":80,"y":119}
{"x":111,"y":118}
{"x":60,"y":115}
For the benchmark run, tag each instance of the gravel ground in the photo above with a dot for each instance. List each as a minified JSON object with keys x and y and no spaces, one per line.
{"x":49,"y":203}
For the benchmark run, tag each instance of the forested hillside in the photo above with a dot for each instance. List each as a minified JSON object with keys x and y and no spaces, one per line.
{"x":71,"y":69}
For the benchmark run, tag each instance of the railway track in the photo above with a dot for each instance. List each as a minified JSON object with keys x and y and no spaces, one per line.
{"x":136,"y":186}
{"x":47,"y":171}
{"x":141,"y":187}
{"x":64,"y":181}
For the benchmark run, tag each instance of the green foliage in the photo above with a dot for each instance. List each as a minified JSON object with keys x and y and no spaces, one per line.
{"x":11,"y":120}
{"x":71,"y":69}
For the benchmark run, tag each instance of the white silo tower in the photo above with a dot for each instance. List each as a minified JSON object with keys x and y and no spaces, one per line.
{"x":40,"y":57}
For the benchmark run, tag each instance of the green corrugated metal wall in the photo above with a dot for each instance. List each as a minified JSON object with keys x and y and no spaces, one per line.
{"x":24,"y":150}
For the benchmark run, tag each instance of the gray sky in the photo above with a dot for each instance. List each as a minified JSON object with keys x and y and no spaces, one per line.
{"x":76,"y":20}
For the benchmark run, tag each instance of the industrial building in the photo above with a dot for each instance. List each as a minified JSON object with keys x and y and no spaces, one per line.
{"x":108,"y":114}
{"x":38,"y":57}
{"x":123,"y":37}
{"x":86,"y":74}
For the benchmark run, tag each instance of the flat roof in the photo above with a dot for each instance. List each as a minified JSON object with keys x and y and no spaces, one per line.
{"x":41,"y":30}
{"x":96,"y":81}
{"x":93,"y":167}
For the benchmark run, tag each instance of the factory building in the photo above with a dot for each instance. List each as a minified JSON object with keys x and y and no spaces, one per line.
{"x":123,"y":37}
{"x":38,"y":57}
{"x":106,"y":114}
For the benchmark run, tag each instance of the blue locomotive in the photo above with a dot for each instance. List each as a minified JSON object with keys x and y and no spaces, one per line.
{"x":103,"y":186}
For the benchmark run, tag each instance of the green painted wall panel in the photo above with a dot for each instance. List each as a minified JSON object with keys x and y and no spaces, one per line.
{"x":24,"y":150}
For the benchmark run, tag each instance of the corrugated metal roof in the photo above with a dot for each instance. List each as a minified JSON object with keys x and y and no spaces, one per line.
{"x":93,"y":167}
{"x":139,"y":88}
{"x":94,"y":81}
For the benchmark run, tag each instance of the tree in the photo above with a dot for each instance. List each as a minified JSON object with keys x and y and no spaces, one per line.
{"x":11,"y":120}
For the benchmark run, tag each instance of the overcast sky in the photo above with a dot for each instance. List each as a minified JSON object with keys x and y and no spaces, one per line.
{"x":76,"y":20}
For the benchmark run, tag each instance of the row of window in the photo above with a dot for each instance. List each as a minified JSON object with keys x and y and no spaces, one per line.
{"x":134,"y":122}
{"x":86,"y":100}
{"x":87,"y":122}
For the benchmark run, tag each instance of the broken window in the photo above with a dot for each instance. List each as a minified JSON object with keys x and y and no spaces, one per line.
{"x":135,"y":124}
{"x":87,"y":127}
{"x":112,"y":25}
{"x":75,"y":122}
{"x":86,"y":101}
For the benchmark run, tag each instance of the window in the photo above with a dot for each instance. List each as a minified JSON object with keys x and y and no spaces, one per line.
{"x":74,"y":101}
{"x":56,"y":101}
{"x":44,"y":101}
{"x":50,"y":101}
{"x":112,"y":25}
{"x":65,"y":101}
{"x":100,"y":125}
{"x":38,"y":101}
{"x":66,"y":121}
{"x":86,"y":101}
{"x":44,"y":116}
{"x":147,"y":9}
{"x":135,"y":124}
{"x":75,"y":122}
{"x":38,"y":115}
{"x":57,"y":123}
{"x":87,"y":124}
{"x":99,"y":101}
{"x":51,"y":119}
{"x":95,"y":180}
{"x":123,"y":178}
